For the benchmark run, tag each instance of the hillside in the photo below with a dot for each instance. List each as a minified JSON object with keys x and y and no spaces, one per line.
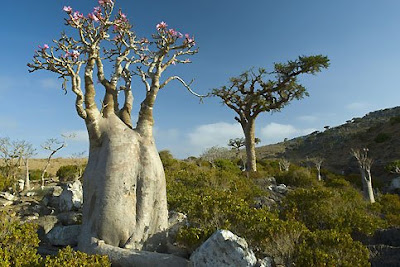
{"x":379,"y":131}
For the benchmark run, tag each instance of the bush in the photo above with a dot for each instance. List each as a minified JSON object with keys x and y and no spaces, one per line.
{"x":382,"y":137}
{"x":18,"y":243}
{"x":390,"y":209}
{"x":36,"y":174}
{"x":5,"y":183}
{"x":331,"y":248}
{"x":68,"y":173}
{"x":324,"y":209}
{"x":226,"y":165}
{"x":394,"y":120}
{"x":300,"y":177}
{"x":69,"y":257}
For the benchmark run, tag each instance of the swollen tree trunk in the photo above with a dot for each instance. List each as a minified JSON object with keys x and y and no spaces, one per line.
{"x":125,"y":201}
{"x":27,"y":185}
{"x":367,"y":186}
{"x":249,"y":133}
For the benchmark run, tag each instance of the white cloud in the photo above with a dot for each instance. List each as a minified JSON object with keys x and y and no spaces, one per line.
{"x":308,"y":118}
{"x":358,"y":106}
{"x":209,"y":135}
{"x":275,"y":132}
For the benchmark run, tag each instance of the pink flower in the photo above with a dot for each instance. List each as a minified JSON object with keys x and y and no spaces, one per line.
{"x":97,"y":10}
{"x":173,"y":32}
{"x":67,"y":9}
{"x":117,"y":37}
{"x":161,"y":25}
{"x":76,"y":16}
{"x":144,"y":40}
{"x":105,"y":2}
{"x":116,"y":27}
{"x":75,"y":54}
{"x":45,"y":46}
{"x":189,"y":40}
{"x":180,"y":35}
{"x":93,"y":17}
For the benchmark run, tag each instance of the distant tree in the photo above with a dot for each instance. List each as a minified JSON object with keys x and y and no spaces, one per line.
{"x":26,"y":152}
{"x":317,"y":161}
{"x":237,"y":144}
{"x":77,"y":159}
{"x":250,"y":94}
{"x":284,"y":165}
{"x":52,"y":145}
{"x":364,"y":164}
{"x":216,"y":152}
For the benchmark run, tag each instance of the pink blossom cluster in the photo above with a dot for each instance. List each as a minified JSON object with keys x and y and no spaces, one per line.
{"x":45,"y":46}
{"x":74,"y":54}
{"x":67,"y":9}
{"x":189,"y":40}
{"x":162,"y":27}
{"x":121,"y":22}
{"x":105,"y":2}
{"x":96,"y":15}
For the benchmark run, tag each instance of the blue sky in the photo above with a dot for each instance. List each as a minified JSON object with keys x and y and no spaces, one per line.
{"x":361,"y":38}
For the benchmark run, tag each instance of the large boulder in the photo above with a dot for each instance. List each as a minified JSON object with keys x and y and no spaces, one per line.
{"x":71,"y":197}
{"x":64,"y":235}
{"x":223,"y":248}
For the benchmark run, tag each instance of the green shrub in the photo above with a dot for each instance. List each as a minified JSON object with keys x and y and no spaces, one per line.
{"x":331,"y":248}
{"x":36,"y":174}
{"x":68,"y":257}
{"x":300,"y":177}
{"x":323,"y":209}
{"x":393,"y":166}
{"x":226,"y":165}
{"x":382,"y":137}
{"x":68,"y":173}
{"x":390,"y":209}
{"x":5,"y":183}
{"x":18,"y":243}
{"x":394,"y":120}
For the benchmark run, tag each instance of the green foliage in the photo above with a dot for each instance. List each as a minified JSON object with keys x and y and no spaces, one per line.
{"x":270,"y":167}
{"x":331,"y":248}
{"x":226,"y":165}
{"x":69,"y":257}
{"x":393,"y":166}
{"x":382,"y":137}
{"x":394,"y":120}
{"x":298,"y":176}
{"x":68,"y":173}
{"x":321,"y":208}
{"x":167,"y":159}
{"x":36,"y":174}
{"x":18,"y":243}
{"x":5,"y":183}
{"x":389,"y":206}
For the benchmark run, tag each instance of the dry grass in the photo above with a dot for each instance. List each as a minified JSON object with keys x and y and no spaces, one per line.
{"x":55,"y":163}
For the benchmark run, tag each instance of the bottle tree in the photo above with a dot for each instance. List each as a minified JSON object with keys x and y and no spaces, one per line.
{"x":124,"y":187}
{"x":254,"y":92}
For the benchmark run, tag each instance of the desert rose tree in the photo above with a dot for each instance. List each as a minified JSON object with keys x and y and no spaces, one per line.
{"x":251,"y":93}
{"x":125,"y":202}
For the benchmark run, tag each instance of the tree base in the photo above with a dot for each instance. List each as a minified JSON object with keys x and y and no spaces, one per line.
{"x":127,"y":257}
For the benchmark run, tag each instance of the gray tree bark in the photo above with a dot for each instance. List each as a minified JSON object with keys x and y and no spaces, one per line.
{"x":125,"y":201}
{"x":249,"y":133}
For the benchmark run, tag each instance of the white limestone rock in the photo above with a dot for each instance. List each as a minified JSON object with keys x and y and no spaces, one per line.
{"x":223,"y":248}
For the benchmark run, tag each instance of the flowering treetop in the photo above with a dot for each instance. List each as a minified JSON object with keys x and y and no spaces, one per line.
{"x":101,"y":36}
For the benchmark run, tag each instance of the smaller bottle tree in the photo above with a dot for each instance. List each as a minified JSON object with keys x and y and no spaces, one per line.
{"x":365,"y":163}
